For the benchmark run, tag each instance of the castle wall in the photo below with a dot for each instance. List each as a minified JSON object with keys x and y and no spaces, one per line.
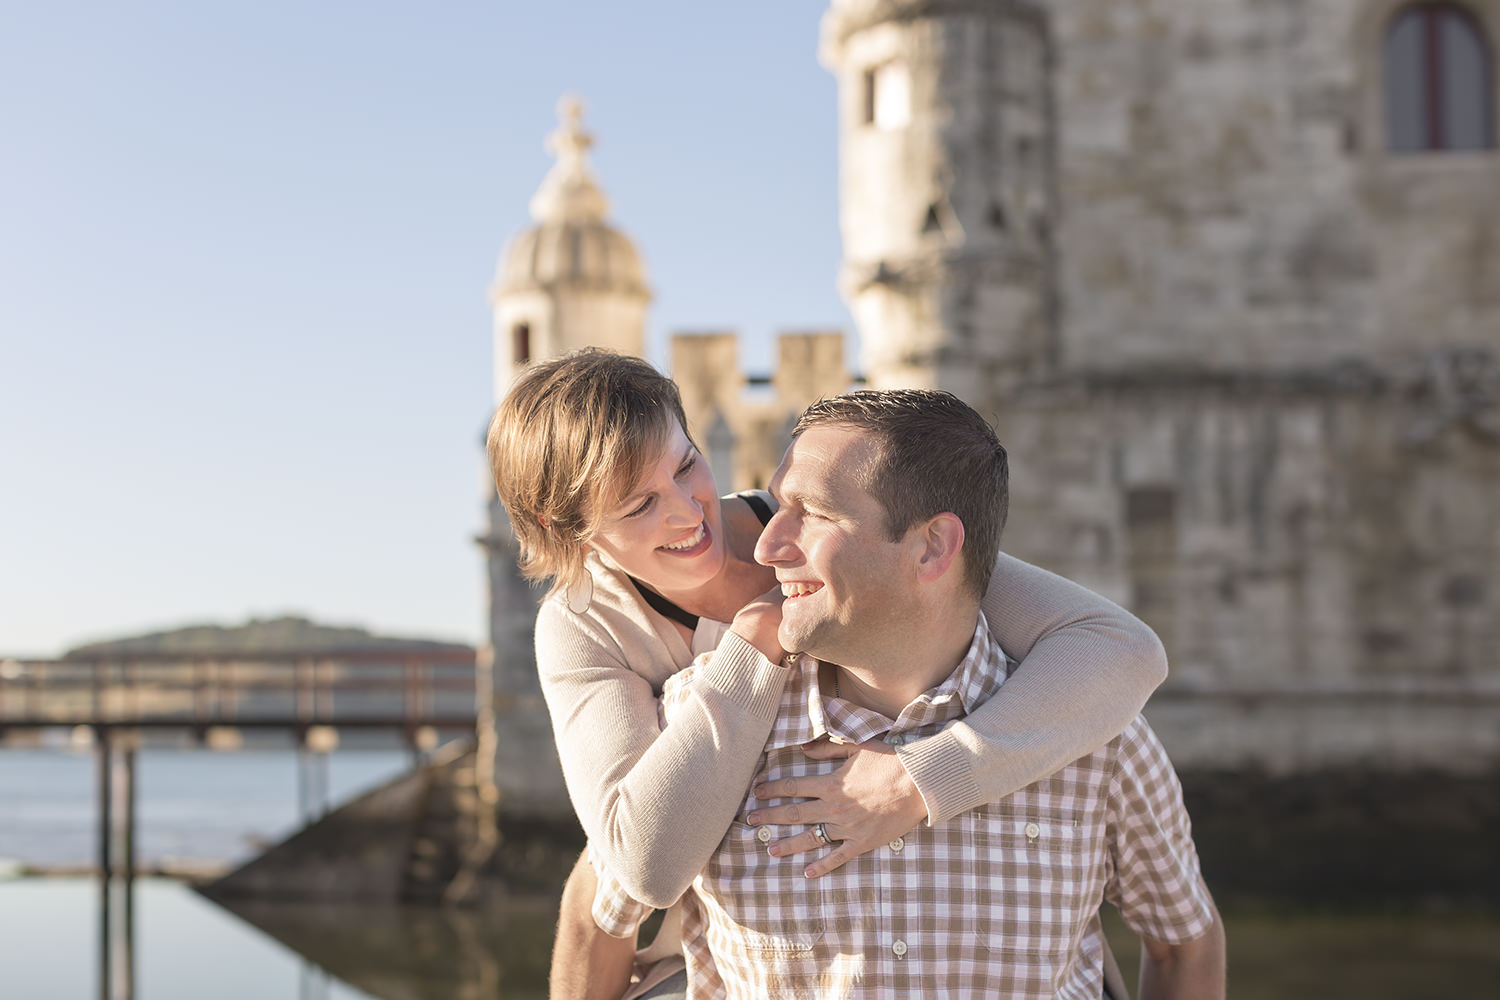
{"x":1320,"y":555}
{"x":1245,"y":358}
{"x":1227,"y":200}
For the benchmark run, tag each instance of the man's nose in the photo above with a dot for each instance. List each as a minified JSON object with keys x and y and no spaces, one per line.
{"x":772,"y":546}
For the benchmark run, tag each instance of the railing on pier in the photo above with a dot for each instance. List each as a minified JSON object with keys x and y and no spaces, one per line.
{"x":404,"y":692}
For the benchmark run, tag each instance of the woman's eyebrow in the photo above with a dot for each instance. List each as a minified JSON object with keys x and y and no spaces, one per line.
{"x":688,"y":452}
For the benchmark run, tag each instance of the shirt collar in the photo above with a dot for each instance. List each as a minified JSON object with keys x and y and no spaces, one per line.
{"x":812,"y":715}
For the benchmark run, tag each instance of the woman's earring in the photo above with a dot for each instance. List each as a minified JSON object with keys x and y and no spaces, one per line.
{"x":581,"y":593}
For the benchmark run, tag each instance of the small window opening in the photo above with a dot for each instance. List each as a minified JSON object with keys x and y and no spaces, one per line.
{"x":932,"y":224}
{"x":887,"y":96}
{"x":867,"y":111}
{"x":520,"y":344}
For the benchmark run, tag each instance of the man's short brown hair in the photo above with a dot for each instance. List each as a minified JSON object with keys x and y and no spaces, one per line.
{"x":935,"y":453}
{"x":570,"y":439}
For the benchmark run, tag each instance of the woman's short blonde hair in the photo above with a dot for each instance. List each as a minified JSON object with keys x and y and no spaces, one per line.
{"x":568,"y":442}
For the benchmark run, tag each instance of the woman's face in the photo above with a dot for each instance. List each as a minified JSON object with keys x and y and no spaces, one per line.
{"x":667,"y":532}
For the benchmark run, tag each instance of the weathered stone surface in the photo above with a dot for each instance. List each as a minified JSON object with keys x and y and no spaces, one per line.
{"x":1262,"y":407}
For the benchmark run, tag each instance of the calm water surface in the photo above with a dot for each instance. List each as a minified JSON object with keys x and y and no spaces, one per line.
{"x":194,"y":808}
{"x":201,"y":807}
{"x":187,"y":948}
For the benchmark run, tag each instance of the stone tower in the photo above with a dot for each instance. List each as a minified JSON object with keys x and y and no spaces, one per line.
{"x":945,"y":148}
{"x":568,"y":280}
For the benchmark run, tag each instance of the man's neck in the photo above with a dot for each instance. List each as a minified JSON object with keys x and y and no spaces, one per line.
{"x":892,"y":681}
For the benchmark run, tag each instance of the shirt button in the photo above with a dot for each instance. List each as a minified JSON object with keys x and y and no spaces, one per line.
{"x":1033,"y":831}
{"x":763,"y":835}
{"x":897,"y":844}
{"x":896,"y":741}
{"x":899,"y":948}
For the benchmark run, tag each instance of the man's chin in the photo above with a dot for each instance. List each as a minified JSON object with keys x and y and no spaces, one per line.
{"x":794,"y":640}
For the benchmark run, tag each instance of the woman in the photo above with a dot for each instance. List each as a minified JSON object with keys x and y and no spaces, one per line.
{"x":610,"y":499}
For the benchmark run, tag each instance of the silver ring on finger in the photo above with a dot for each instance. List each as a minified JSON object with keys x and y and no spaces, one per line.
{"x":821,"y":832}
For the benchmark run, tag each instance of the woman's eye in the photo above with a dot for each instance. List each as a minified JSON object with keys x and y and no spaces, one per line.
{"x":645,"y":505}
{"x":687,"y":466}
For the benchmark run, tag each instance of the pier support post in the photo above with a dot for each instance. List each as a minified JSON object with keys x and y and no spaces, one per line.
{"x":105,"y":774}
{"x":312,"y":782}
{"x":116,"y":827}
{"x":125,"y":785}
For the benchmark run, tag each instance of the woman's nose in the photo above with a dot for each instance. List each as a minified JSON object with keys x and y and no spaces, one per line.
{"x":685,"y":507}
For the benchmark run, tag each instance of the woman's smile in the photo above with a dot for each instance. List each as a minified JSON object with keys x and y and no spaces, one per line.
{"x":696,"y":543}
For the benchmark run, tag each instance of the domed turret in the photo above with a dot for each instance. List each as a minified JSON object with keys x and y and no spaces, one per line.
{"x":570,"y":279}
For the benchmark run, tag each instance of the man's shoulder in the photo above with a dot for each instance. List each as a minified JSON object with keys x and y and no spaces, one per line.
{"x":1139,"y":747}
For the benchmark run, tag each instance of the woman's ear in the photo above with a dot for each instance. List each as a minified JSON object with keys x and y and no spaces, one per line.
{"x":942,"y":542}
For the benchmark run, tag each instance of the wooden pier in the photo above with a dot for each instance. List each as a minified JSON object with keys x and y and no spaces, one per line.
{"x":417,"y":696}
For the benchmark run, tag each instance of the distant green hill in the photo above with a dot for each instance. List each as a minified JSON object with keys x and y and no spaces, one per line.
{"x":271,"y":635}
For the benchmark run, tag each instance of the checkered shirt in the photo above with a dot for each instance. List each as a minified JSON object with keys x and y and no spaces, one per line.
{"x":1002,"y":900}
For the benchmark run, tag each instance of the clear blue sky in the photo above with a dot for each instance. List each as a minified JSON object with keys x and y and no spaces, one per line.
{"x":245,"y":247}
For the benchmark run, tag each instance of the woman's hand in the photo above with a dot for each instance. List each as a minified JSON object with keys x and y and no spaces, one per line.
{"x":866,"y":803}
{"x":758,"y":622}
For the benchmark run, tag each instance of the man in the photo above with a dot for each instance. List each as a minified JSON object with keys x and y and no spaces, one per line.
{"x":891,"y":507}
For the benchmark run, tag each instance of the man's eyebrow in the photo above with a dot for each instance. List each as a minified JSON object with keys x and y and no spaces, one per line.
{"x":805,"y":497}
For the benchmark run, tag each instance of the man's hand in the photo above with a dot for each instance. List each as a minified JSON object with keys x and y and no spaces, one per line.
{"x":865,"y":804}
{"x":757,"y":623}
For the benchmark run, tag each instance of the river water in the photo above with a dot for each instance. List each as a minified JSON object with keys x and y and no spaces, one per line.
{"x":199,"y":808}
{"x":195,"y":808}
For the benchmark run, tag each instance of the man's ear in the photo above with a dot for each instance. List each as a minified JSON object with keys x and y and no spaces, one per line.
{"x":942,"y":541}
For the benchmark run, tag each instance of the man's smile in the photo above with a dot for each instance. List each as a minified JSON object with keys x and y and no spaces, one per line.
{"x":793,"y":589}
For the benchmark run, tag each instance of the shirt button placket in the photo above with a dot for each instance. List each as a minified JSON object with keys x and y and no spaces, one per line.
{"x":899,"y":948}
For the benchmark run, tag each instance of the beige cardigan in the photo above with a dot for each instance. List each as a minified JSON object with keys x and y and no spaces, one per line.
{"x":655,"y":803}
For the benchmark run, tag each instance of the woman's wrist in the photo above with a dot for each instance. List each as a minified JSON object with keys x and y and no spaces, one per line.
{"x":758,"y":623}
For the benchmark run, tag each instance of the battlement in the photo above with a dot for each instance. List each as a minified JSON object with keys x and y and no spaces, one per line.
{"x":742,"y":427}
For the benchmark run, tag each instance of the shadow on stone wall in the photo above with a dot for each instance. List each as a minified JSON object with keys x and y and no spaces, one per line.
{"x":1345,"y":839}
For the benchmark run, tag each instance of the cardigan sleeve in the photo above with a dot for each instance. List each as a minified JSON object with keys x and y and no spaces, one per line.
{"x":654,"y":802}
{"x":1086,"y":668}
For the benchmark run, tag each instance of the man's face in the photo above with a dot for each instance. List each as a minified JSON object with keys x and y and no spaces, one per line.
{"x":845,"y":582}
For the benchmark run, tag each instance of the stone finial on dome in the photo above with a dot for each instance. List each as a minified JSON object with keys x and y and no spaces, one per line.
{"x":569,"y":192}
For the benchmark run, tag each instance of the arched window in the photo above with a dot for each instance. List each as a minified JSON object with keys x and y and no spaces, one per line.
{"x":1439,"y":83}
